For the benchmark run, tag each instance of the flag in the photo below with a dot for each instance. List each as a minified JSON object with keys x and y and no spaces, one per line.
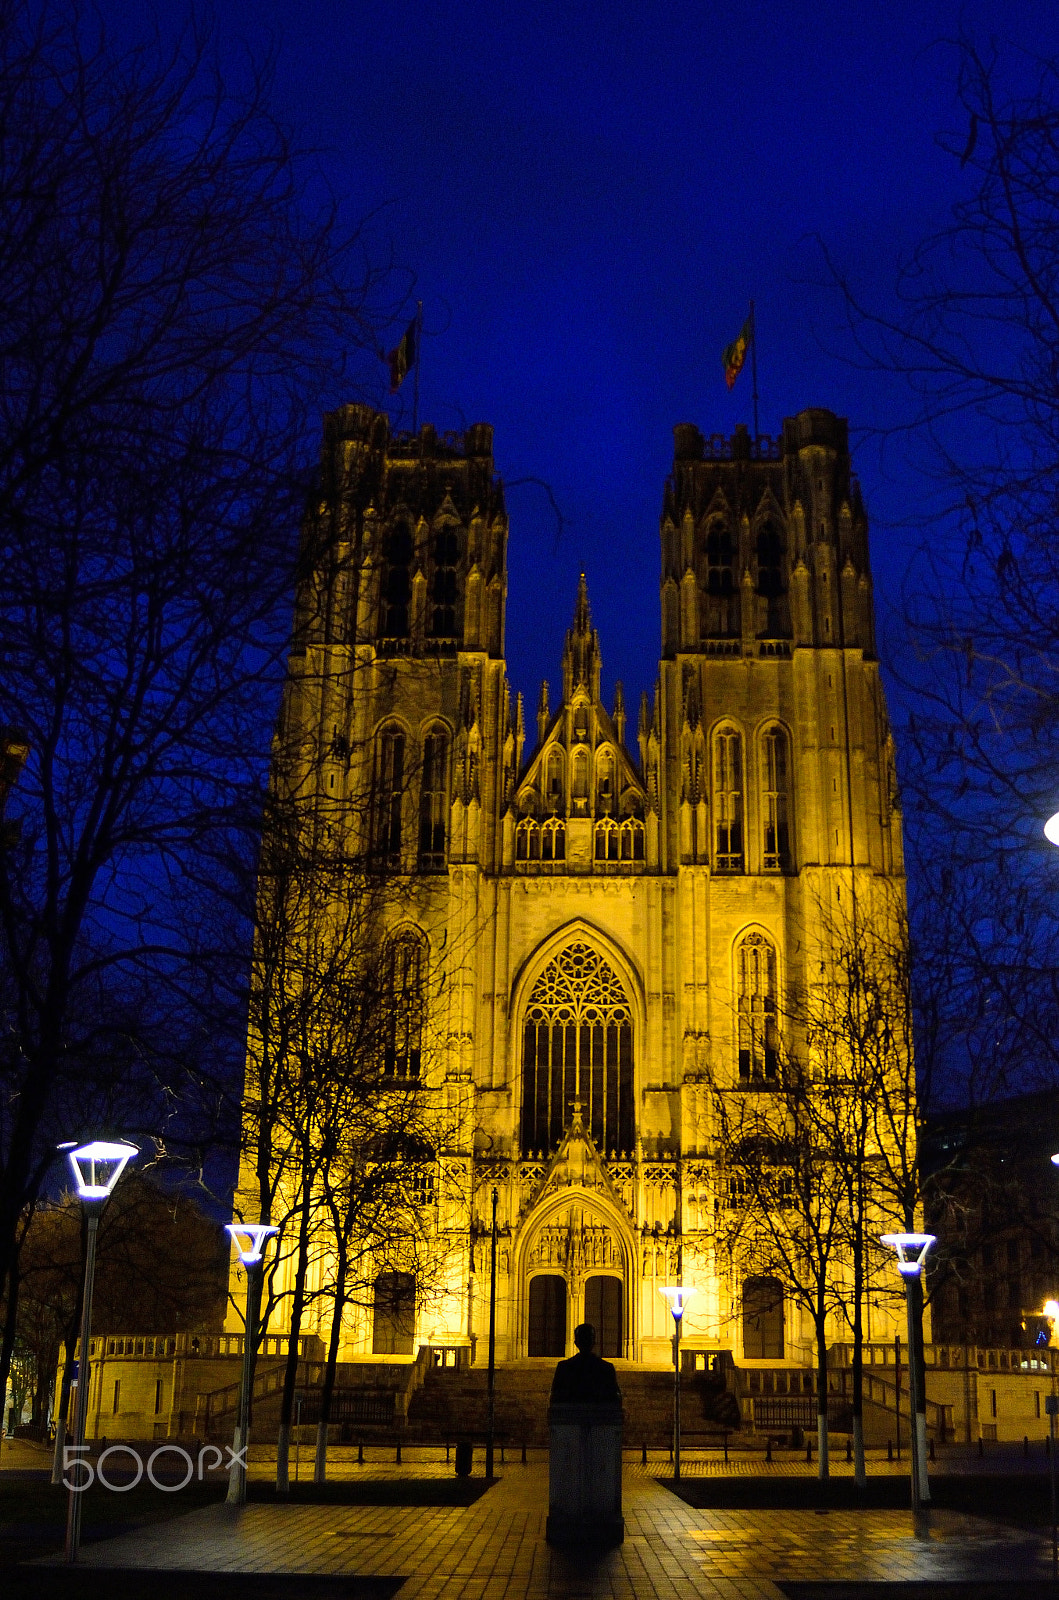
{"x":404,"y":357}
{"x":734,"y":354}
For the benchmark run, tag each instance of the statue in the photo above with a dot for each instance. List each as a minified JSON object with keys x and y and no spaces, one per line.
{"x":585,"y":1379}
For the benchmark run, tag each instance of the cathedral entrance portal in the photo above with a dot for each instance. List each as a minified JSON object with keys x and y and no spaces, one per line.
{"x":603,"y":1309}
{"x":547,"y":1315}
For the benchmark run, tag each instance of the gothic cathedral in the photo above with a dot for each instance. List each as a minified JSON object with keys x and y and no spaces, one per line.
{"x":611,"y":916}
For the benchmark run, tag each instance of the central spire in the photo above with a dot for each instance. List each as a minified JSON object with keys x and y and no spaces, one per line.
{"x":581,"y":659}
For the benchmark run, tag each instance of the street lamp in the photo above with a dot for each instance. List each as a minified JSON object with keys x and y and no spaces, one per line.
{"x":491,"y":1381}
{"x":911,"y":1251}
{"x":678,"y":1296}
{"x":251,"y":1254}
{"x":96,"y":1168}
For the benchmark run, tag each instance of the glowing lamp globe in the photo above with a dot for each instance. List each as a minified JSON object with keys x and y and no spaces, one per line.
{"x":678,"y":1296}
{"x":96,"y":1167}
{"x":256,"y":1235}
{"x":911,"y":1251}
{"x":1051,"y":829}
{"x":1051,"y":1310}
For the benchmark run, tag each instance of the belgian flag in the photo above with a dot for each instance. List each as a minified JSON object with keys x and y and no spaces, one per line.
{"x":734,"y":354}
{"x":403,"y":359}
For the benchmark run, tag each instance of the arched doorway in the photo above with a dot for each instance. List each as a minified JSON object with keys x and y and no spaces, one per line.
{"x":762,"y":1319}
{"x":547,"y":1315}
{"x":605,"y":1310}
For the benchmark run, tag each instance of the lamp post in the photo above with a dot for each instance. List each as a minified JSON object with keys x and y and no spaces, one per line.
{"x":678,"y":1296}
{"x":491,"y":1380}
{"x":911,"y":1251}
{"x":251,"y":1254}
{"x":96,"y":1168}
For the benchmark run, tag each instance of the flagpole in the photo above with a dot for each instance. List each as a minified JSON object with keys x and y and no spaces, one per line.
{"x":418,"y":363}
{"x":753,"y":369}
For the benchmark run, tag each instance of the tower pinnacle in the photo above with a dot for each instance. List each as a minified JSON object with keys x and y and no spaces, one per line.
{"x":581,"y":658}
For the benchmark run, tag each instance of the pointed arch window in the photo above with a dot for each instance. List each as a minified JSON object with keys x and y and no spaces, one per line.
{"x":444,"y":585}
{"x":632,"y":839}
{"x":434,"y":801}
{"x":770,"y":582}
{"x":608,"y":840}
{"x":775,"y":803}
{"x":397,"y":584}
{"x":720,"y":559}
{"x":405,"y":1007}
{"x":758,"y":1033}
{"x":389,"y":795}
{"x":728,"y":800}
{"x":605,"y":783}
{"x":554,"y":787}
{"x":577,"y":1046}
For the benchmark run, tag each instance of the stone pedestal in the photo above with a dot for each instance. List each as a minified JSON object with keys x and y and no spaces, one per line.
{"x":584,"y":1476}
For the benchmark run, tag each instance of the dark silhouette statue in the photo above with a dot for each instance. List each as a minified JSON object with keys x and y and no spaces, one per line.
{"x":585,"y":1379}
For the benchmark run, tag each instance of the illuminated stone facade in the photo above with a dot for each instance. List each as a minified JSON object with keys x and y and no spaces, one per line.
{"x":612,"y":932}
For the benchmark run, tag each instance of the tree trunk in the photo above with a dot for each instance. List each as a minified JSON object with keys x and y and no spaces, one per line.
{"x":7,"y":1344}
{"x":819,"y":1321}
{"x":290,"y":1375}
{"x":320,"y":1468}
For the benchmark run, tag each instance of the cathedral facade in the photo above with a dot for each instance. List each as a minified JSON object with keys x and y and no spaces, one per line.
{"x":612,"y":908}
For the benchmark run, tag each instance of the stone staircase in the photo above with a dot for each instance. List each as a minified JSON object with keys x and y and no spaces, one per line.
{"x":454,"y":1404}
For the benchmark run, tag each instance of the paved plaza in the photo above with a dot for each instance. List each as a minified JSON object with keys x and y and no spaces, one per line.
{"x":496,"y":1550}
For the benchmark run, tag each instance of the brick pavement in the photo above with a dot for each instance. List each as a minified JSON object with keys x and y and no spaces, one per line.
{"x":495,"y":1549}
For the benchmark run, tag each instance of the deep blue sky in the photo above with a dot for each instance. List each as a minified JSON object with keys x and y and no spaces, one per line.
{"x":587,"y":196}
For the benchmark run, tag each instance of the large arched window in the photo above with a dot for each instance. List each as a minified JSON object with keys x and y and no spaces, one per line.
{"x":577,"y":1046}
{"x":434,"y":801}
{"x":775,"y":769}
{"x":762,"y":1319}
{"x":397,"y":585}
{"x":758,"y":1034}
{"x":728,"y":800}
{"x":389,"y":795}
{"x":405,"y":1001}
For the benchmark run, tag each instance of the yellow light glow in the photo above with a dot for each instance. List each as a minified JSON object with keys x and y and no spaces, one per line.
{"x":1051,"y":1310}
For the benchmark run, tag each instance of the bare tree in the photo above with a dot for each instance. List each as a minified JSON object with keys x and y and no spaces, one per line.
{"x":784,"y":1203}
{"x":973,"y":331}
{"x":176,"y":314}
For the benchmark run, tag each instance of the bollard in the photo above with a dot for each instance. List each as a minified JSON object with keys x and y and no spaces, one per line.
{"x":981,"y":1445}
{"x":808,"y":1450}
{"x":1025,"y":1445}
{"x":447,"y":1448}
{"x":523,"y":1455}
{"x":464,"y":1459}
{"x":768,"y":1449}
{"x":849,"y":1450}
{"x":933,"y":1457}
{"x":643,"y":1456}
{"x":360,"y":1453}
{"x":889,"y":1449}
{"x":726,"y":1447}
{"x":397,"y":1458}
